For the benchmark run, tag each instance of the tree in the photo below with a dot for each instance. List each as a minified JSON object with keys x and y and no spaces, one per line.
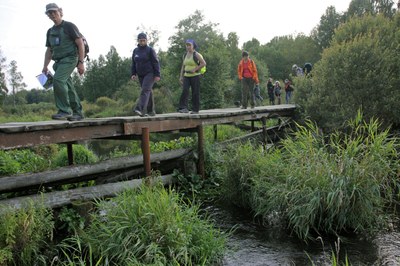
{"x":211,"y":45}
{"x":3,"y":68}
{"x":282,"y":52}
{"x":324,"y":32}
{"x":105,"y":75}
{"x":15,"y":79}
{"x":360,"y":70}
{"x":372,"y":7}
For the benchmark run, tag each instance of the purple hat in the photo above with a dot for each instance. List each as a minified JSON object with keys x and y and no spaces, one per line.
{"x":192,"y":42}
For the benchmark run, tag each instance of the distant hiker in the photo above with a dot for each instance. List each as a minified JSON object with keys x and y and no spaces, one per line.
{"x":307,"y":68}
{"x":288,"y":90}
{"x":193,"y":63}
{"x":146,"y":67}
{"x":247,"y":72}
{"x":277,"y":91}
{"x":257,"y":94}
{"x":65,"y":46}
{"x":297,"y":71}
{"x":270,"y":90}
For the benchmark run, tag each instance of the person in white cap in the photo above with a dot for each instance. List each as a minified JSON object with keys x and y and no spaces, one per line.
{"x":65,"y":46}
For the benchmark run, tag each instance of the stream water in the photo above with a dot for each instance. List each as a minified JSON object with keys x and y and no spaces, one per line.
{"x":252,"y":244}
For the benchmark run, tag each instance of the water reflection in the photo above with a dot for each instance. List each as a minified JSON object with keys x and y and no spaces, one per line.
{"x":254,"y":244}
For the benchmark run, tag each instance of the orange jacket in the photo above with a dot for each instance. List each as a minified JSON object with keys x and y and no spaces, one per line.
{"x":252,"y":68}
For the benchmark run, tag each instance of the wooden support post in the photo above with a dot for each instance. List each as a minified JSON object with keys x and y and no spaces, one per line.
{"x":70,"y":154}
{"x":215,"y":132}
{"x":264,"y":132}
{"x":252,"y":126}
{"x":146,"y":150}
{"x":200,"y":147}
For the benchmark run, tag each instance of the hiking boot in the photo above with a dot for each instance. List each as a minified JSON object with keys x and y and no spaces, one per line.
{"x":184,"y":111}
{"x":76,"y":117}
{"x":61,"y":116}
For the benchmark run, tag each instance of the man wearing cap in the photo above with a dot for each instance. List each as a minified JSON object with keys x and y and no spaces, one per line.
{"x":146,"y":67}
{"x":247,"y":72}
{"x":65,"y":46}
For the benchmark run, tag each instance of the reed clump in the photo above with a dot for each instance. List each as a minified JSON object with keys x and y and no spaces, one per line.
{"x":319,"y":184}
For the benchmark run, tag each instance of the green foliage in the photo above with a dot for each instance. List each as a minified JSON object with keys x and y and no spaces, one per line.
{"x":70,"y":220}
{"x":358,"y":71}
{"x":319,"y":184}
{"x":80,"y":153}
{"x":150,"y":226}
{"x":224,"y":132}
{"x":105,"y":102}
{"x":21,"y":161}
{"x":180,"y":143}
{"x":282,"y":52}
{"x":23,"y":235}
{"x":105,"y":75}
{"x":325,"y":30}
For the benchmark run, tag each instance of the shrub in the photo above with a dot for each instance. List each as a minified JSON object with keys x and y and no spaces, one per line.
{"x":23,"y":234}
{"x":359,"y":70}
{"x":21,"y":161}
{"x":81,"y":156}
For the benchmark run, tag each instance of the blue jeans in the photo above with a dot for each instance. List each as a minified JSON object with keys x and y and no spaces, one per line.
{"x":288,"y":96}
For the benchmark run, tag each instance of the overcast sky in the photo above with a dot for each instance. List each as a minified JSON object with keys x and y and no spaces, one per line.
{"x":23,"y":23}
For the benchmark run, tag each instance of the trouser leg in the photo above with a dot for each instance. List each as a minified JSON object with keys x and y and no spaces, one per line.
{"x":195,"y":85}
{"x":62,"y":85}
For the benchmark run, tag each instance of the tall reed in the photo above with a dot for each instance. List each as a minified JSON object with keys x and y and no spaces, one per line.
{"x":151,"y":226}
{"x":319,"y":184}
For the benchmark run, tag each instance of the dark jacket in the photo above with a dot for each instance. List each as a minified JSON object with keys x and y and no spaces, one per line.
{"x":144,"y":61}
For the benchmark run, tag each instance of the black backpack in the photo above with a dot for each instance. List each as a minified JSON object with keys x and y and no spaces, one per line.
{"x":85,"y":43}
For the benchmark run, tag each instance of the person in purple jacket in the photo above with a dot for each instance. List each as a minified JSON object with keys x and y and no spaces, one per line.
{"x":146,"y":68}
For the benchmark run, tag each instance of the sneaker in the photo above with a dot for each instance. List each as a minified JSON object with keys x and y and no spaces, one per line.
{"x":152,"y":114}
{"x":61,"y":116}
{"x":243,"y":107}
{"x":185,"y":111}
{"x":76,"y":118}
{"x":194,"y":112}
{"x":137,"y":112}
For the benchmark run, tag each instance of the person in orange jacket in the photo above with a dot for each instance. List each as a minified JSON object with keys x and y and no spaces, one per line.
{"x":247,"y":72}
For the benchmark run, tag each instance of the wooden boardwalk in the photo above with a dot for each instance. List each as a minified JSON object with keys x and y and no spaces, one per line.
{"x":28,"y":134}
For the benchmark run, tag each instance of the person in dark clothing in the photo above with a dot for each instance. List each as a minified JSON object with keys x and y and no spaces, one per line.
{"x":288,"y":90}
{"x":146,"y":68}
{"x":270,"y":90}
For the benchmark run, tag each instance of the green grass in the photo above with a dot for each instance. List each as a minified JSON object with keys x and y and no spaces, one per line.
{"x":149,"y":226}
{"x":318,"y":184}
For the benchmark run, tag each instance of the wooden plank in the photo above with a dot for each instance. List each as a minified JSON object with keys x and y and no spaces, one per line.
{"x":61,"y":198}
{"x":79,"y":172}
{"x":28,"y":134}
